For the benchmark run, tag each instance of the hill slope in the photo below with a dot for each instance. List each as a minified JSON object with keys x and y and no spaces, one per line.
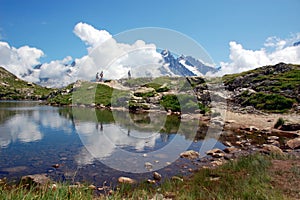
{"x":13,"y":88}
{"x":275,"y":88}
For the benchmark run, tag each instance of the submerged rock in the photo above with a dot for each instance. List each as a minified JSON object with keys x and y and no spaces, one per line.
{"x":148,"y":165}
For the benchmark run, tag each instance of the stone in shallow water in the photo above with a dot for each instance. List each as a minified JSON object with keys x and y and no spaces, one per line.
{"x":35,"y":179}
{"x":191,"y":154}
{"x":216,"y":153}
{"x":123,"y":179}
{"x":151,"y":181}
{"x":157,"y":176}
{"x":148,"y":165}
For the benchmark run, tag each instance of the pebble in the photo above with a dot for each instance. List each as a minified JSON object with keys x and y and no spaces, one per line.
{"x":151,"y":181}
{"x":56,"y":166}
{"x":273,"y":137}
{"x":123,"y":179}
{"x":148,"y":165}
{"x":92,"y":187}
{"x":156,"y":176}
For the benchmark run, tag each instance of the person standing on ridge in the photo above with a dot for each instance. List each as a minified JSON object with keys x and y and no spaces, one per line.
{"x":129,"y":74}
{"x":97,"y":77}
{"x":101,"y":76}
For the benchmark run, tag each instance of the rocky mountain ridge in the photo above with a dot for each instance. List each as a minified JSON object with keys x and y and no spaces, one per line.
{"x":183,"y":66}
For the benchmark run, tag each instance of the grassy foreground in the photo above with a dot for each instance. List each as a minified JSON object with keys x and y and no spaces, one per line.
{"x":247,"y":178}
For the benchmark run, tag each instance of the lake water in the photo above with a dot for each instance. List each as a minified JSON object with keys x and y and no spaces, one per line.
{"x":94,"y":146}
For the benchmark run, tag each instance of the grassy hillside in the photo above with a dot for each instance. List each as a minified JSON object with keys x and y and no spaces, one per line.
{"x":13,"y":88}
{"x":271,"y":88}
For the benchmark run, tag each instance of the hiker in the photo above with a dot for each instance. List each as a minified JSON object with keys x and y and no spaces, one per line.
{"x":97,"y":77}
{"x":101,"y":76}
{"x":129,"y":75}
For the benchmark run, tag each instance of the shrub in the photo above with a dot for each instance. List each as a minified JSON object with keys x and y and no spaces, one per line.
{"x":182,"y":103}
{"x":279,"y":122}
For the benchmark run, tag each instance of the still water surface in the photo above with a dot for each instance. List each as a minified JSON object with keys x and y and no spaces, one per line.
{"x":93,"y":145}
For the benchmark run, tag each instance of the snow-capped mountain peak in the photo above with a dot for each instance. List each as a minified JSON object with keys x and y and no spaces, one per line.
{"x":183,"y":66}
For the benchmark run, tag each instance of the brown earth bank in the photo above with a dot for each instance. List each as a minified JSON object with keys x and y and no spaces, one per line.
{"x":286,"y":176}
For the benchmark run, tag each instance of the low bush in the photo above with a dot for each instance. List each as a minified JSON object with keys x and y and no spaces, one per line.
{"x":268,"y":102}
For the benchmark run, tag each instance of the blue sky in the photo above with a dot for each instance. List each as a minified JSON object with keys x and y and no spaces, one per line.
{"x":238,"y":35}
{"x":48,"y":25}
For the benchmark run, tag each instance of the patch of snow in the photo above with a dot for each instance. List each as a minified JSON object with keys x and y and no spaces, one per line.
{"x":191,"y":68}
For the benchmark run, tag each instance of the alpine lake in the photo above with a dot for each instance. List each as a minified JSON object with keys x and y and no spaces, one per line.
{"x":73,"y":144}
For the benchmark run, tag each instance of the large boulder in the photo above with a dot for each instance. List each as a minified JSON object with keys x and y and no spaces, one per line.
{"x":290,"y":127}
{"x":144,"y":92}
{"x":268,"y":148}
{"x":294,"y":143}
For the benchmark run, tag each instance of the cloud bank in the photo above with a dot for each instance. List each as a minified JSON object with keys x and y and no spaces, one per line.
{"x":275,"y":50}
{"x":19,"y":60}
{"x":115,"y":59}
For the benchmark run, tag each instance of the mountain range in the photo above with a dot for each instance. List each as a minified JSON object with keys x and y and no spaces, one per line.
{"x":171,"y":66}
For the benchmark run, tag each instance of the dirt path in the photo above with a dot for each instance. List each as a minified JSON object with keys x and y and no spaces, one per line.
{"x":260,"y":121}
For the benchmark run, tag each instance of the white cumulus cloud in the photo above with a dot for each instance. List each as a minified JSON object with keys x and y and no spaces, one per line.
{"x":19,"y":60}
{"x":90,"y":35}
{"x":112,"y":57}
{"x":275,"y":50}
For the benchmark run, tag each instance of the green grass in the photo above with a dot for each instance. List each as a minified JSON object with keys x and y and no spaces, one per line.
{"x":90,"y":93}
{"x":245,"y":178}
{"x":157,"y":87}
{"x":268,"y":102}
{"x":13,"y":88}
{"x":145,"y":94}
{"x":63,"y":191}
{"x":182,"y":103}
